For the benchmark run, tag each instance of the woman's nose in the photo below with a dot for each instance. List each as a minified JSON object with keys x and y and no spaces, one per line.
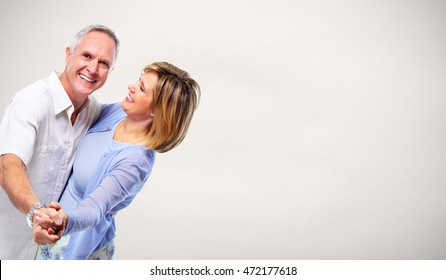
{"x":133,"y":86}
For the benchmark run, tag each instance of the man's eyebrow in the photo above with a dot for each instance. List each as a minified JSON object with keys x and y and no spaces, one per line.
{"x":106,"y":61}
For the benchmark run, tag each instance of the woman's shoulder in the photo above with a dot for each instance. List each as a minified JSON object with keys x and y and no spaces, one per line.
{"x":110,"y":115}
{"x":111,"y":110}
{"x":138,"y":154}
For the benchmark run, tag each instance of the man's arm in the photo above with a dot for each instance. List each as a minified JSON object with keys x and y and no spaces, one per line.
{"x":16,"y":183}
{"x":1,"y":171}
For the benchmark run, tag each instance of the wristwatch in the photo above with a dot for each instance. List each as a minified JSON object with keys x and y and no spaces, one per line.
{"x":30,"y":215}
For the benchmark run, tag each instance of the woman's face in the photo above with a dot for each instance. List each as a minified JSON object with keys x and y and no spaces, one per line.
{"x":138,"y":104}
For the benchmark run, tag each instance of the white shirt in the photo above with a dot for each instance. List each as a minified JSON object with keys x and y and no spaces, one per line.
{"x":36,"y":127}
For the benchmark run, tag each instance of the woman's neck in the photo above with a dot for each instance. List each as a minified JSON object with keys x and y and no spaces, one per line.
{"x":131,"y":132}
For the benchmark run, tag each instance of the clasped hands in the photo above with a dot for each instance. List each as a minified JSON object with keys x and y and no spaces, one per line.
{"x":49,"y":224}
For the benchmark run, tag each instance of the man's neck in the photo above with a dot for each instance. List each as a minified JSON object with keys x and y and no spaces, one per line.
{"x":77,"y":101}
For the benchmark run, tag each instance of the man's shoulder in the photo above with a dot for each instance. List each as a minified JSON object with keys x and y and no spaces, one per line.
{"x":34,"y":91}
{"x":34,"y":98}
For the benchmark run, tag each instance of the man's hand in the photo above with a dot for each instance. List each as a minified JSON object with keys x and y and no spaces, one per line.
{"x":42,"y":237}
{"x":49,"y":224}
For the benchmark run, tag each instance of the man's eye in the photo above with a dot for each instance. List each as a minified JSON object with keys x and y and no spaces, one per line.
{"x":86,"y":55}
{"x":104,"y":64}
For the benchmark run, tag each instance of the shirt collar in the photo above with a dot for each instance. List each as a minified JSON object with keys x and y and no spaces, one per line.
{"x":60,"y":97}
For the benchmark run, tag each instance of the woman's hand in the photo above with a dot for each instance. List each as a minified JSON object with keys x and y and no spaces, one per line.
{"x":49,"y":224}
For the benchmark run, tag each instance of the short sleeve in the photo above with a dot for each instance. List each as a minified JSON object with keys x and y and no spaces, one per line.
{"x":18,"y":130}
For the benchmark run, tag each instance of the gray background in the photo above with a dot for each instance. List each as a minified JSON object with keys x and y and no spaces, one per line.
{"x":320,"y":135}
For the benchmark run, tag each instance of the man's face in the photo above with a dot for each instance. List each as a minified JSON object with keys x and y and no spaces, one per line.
{"x":88,"y":66}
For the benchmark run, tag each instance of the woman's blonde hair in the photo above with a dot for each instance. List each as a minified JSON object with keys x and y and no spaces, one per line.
{"x":176,"y":97}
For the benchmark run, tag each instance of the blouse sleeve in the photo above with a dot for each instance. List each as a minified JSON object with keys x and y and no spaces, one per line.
{"x":124,"y":179}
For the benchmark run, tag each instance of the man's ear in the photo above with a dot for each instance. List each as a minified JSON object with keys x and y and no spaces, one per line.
{"x":67,"y":55}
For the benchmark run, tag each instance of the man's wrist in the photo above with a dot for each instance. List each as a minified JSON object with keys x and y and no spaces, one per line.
{"x":30,"y":215}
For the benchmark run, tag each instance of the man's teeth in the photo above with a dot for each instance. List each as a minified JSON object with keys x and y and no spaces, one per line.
{"x":86,"y":78}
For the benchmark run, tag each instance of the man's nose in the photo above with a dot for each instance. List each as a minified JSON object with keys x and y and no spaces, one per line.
{"x":93,"y":66}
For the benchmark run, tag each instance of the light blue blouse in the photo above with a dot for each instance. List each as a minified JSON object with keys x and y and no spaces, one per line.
{"x":106,"y":177}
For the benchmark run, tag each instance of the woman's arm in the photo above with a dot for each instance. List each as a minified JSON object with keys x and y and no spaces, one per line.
{"x":125,"y":179}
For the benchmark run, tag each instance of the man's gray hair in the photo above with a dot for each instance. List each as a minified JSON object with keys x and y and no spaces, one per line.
{"x":95,"y":27}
